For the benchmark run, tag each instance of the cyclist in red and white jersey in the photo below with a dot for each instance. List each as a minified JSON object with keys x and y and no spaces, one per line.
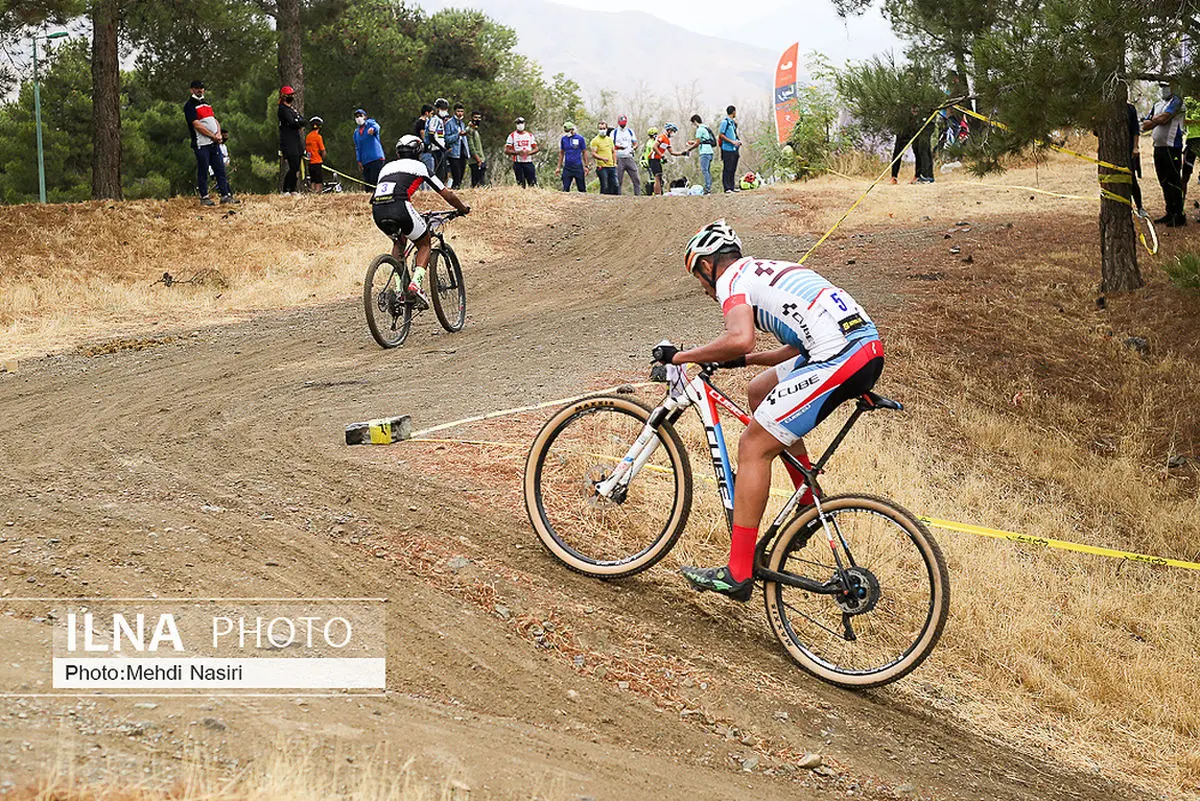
{"x":829,"y":352}
{"x":392,"y":208}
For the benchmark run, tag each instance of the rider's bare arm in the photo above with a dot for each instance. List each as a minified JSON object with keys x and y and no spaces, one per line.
{"x":737,"y":339}
{"x":454,"y":200}
{"x":770,"y":358}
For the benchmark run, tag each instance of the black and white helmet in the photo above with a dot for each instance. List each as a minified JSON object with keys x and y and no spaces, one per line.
{"x":409,"y":147}
{"x":712,"y":238}
{"x":441,"y":102}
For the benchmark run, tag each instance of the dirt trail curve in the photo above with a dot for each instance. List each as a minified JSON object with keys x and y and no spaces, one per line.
{"x":108,"y":461}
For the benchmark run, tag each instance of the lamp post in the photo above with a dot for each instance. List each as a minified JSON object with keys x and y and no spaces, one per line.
{"x":37,"y":112}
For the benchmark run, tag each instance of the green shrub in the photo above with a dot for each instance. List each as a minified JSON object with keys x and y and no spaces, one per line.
{"x":1184,"y":270}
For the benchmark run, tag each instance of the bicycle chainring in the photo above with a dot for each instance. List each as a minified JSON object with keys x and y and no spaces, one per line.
{"x":864,"y":591}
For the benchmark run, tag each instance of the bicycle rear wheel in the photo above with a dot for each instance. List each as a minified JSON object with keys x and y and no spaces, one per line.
{"x":447,"y":290}
{"x":578,"y":447}
{"x":388,"y":314}
{"x":901,"y":592}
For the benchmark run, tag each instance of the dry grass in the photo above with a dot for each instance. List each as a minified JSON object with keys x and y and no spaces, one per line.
{"x":1095,"y":661}
{"x":81,"y":271}
{"x":285,"y":774}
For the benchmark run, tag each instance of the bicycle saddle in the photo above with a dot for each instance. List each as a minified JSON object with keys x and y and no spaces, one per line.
{"x":870,"y":401}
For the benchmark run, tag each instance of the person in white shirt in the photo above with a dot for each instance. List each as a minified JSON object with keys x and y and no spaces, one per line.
{"x":522,"y":145}
{"x":625,"y":141}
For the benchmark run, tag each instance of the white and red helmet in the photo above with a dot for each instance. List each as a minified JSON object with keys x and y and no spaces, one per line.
{"x":712,"y":238}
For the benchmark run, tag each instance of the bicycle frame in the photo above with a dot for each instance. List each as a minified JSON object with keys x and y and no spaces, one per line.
{"x":707,"y":399}
{"x":435,"y":220}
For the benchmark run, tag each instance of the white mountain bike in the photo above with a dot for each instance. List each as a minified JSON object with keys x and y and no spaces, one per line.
{"x":856,"y":588}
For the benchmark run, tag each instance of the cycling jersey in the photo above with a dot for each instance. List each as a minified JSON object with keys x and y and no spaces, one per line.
{"x":661,"y":145}
{"x":795,"y":304}
{"x":841,"y":356}
{"x":398,"y":181}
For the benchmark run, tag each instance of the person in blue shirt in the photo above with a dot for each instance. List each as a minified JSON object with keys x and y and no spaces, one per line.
{"x":456,"y":145}
{"x":727,"y":135}
{"x":572,"y":158}
{"x":367,"y":148}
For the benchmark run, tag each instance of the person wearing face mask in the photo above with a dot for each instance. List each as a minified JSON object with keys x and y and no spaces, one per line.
{"x":604,"y":152}
{"x":522,"y":145}
{"x":435,"y":138}
{"x":457,"y":146}
{"x":572,"y":158}
{"x":291,"y":146}
{"x":1166,"y":122}
{"x":625,"y":143}
{"x":205,"y":133}
{"x":367,"y":148}
{"x":475,"y":151}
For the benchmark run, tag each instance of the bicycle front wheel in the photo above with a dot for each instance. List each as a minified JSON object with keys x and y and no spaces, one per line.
{"x":447,"y":290}
{"x":388,"y":315}
{"x":580,"y":446}
{"x":899,"y":600}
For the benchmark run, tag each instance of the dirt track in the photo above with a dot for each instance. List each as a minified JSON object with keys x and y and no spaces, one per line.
{"x":108,"y":461}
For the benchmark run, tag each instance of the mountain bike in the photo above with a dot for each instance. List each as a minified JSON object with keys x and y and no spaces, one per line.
{"x":385,"y":289}
{"x":856,"y":588}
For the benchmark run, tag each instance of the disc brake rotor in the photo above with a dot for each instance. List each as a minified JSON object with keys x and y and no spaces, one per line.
{"x":863,"y":594}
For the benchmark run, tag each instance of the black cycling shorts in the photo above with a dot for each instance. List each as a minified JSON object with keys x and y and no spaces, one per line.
{"x":656,"y":166}
{"x":398,"y":217}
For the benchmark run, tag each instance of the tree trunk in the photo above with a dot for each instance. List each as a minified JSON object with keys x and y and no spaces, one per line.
{"x":1118,"y":239}
{"x":291,"y":59}
{"x":106,"y":101}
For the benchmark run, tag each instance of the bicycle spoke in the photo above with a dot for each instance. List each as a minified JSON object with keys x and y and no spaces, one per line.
{"x":886,"y":568}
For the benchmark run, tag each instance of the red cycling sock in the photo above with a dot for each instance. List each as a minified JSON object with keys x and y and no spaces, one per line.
{"x":741,"y":552}
{"x":798,"y":478}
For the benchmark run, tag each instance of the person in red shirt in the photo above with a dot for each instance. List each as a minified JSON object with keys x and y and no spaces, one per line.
{"x":314,"y":147}
{"x":662,"y":146}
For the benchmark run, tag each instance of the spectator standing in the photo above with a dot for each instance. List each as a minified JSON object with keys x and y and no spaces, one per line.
{"x":1191,"y":148}
{"x":435,"y":138}
{"x":314,"y":147}
{"x":457,"y":145}
{"x":1135,"y":158}
{"x":475,"y":151}
{"x":706,"y":143}
{"x":367,"y":148}
{"x":422,"y":120}
{"x":291,"y":142}
{"x":662,"y":146}
{"x":731,"y":147}
{"x":922,"y":149}
{"x":604,"y":152}
{"x":902,"y":138}
{"x":625,"y":142}
{"x":205,"y":131}
{"x":522,"y":145}
{"x":572,"y":158}
{"x":1166,"y":121}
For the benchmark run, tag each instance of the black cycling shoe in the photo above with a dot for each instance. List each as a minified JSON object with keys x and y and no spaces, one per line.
{"x":717,"y":579}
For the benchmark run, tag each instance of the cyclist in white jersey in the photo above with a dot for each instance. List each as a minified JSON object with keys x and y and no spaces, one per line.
{"x":392,"y":209}
{"x":830,"y":352}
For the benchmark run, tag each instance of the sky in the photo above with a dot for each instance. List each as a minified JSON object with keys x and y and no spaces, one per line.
{"x":772,"y":24}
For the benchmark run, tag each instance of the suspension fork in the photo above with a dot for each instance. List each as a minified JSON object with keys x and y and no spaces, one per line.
{"x":641,"y":451}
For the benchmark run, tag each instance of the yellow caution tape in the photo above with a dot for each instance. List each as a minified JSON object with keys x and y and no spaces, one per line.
{"x":1039,"y":191}
{"x":1050,"y":145}
{"x":948,"y":525}
{"x":863,"y":196}
{"x":1124,"y":176}
{"x":1043,"y":542}
{"x":347,"y":177}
